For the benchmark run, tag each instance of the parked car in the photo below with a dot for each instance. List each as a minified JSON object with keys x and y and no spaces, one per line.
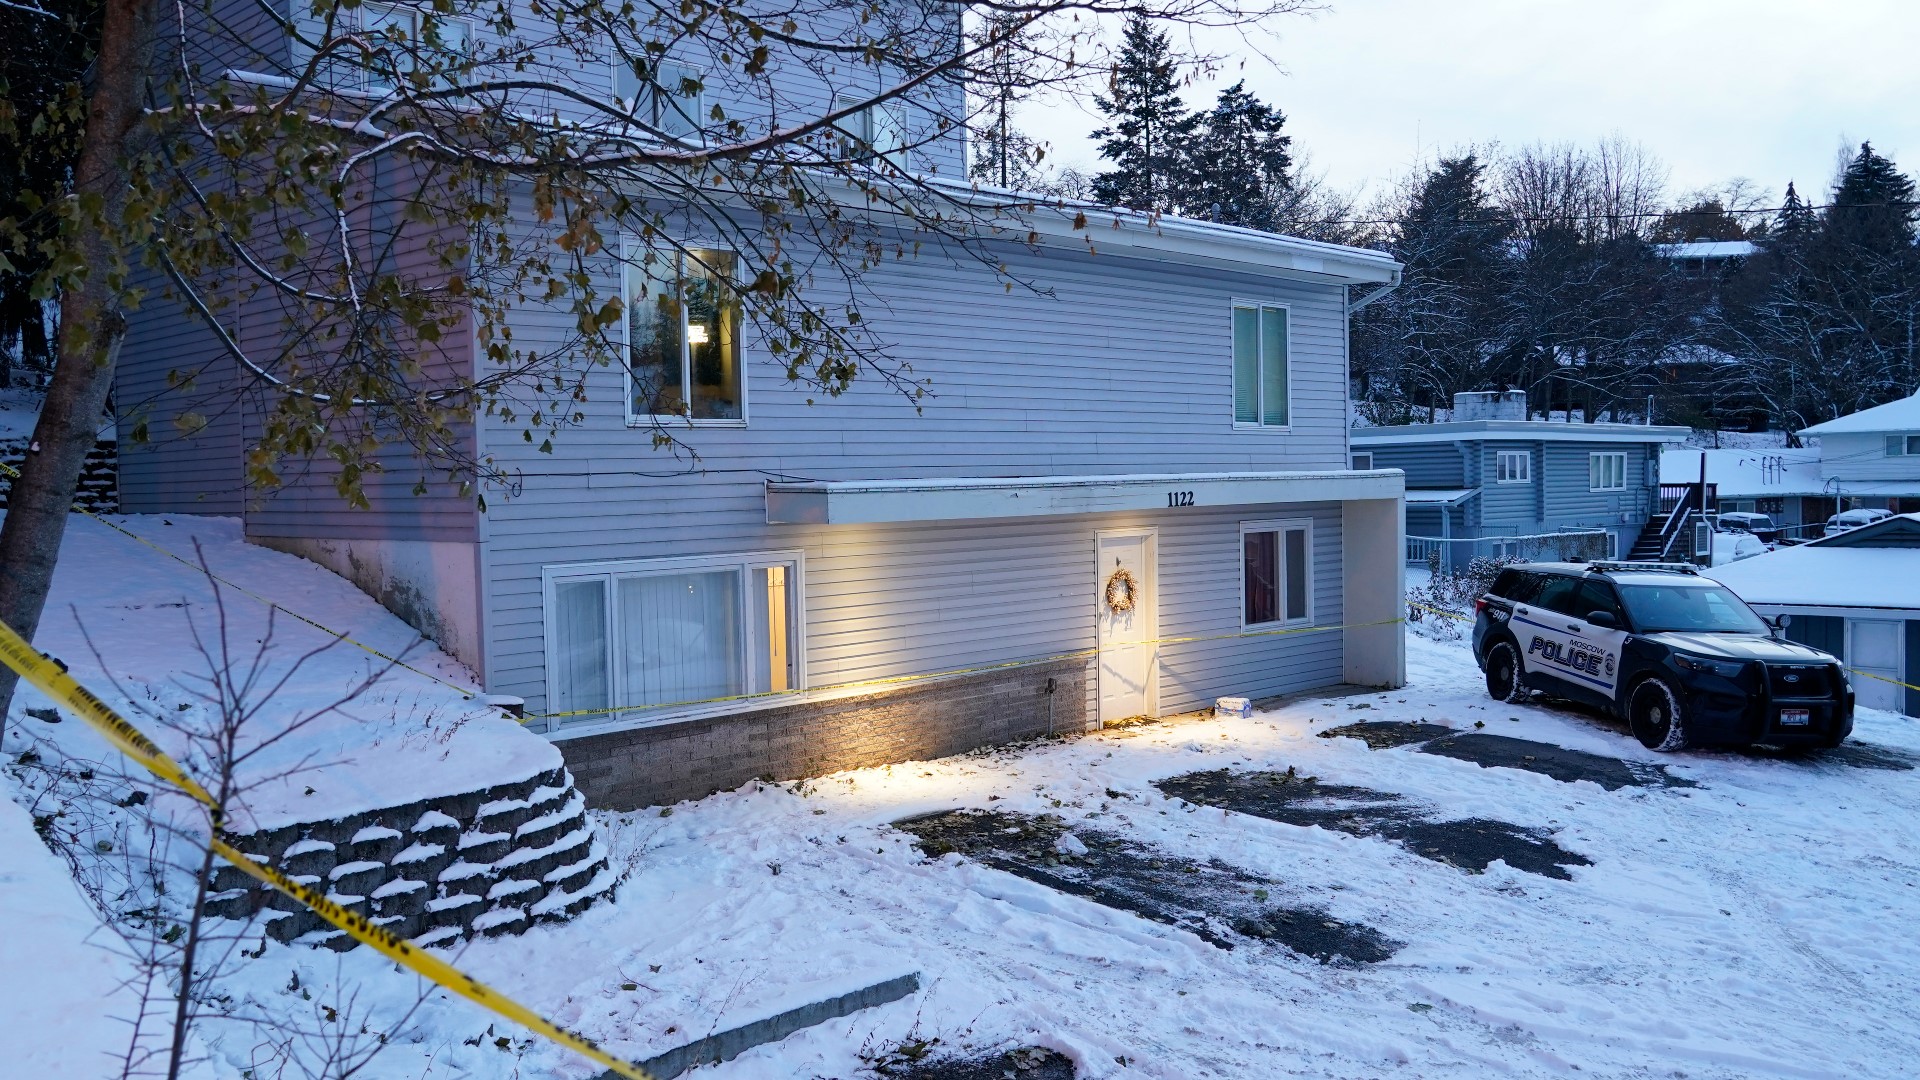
{"x":1760,"y":525}
{"x":1853,"y":519}
{"x":1679,"y":657}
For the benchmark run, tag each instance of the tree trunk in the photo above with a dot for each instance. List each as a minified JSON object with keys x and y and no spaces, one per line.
{"x":92,"y":326}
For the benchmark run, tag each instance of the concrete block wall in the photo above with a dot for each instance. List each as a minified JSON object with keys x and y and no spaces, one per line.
{"x":691,"y":759}
{"x":493,"y":861}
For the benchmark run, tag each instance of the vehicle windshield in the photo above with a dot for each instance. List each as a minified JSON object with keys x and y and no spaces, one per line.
{"x":1711,"y":609}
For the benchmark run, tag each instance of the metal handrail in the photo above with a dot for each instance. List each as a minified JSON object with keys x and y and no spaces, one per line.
{"x":1673,"y":529}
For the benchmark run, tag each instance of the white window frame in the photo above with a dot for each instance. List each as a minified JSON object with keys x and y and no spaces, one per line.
{"x":1903,"y":445}
{"x":1503,"y":458}
{"x":652,"y":96}
{"x":873,"y":125}
{"x":1260,"y":388}
{"x":1281,"y":526}
{"x":1598,"y":473}
{"x":611,"y":571}
{"x":377,"y":82}
{"x":1613,"y":545}
{"x":1354,"y":459}
{"x":633,"y":251}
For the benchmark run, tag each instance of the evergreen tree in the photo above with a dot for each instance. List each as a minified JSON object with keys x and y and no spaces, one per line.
{"x":1794,"y":226}
{"x":1237,"y":163}
{"x":1873,"y":205}
{"x":1147,"y":124}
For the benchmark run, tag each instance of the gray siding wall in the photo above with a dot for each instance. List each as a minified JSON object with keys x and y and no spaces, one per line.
{"x":1436,"y":465}
{"x":1122,"y":367}
{"x":885,"y":601}
{"x":1864,"y":457}
{"x":172,"y":367}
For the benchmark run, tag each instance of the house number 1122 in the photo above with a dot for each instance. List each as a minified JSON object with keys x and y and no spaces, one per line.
{"x":1179,"y":498}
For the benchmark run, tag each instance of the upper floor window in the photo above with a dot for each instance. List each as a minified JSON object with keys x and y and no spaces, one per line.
{"x":1276,"y":583}
{"x":670,"y":99}
{"x":877,"y":130}
{"x":1514,"y":467}
{"x":1261,"y":379}
{"x":683,"y":336}
{"x":1607,"y":472}
{"x":1903,"y":446}
{"x":671,"y":632}
{"x":406,"y":38}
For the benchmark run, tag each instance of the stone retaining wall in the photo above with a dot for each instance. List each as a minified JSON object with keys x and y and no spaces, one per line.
{"x":493,"y":861}
{"x":691,"y":759}
{"x":99,"y":489}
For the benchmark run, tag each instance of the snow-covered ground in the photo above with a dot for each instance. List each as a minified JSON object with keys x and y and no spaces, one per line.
{"x":1755,"y":925}
{"x":124,"y":602}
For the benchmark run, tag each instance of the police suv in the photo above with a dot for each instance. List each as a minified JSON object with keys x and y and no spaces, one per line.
{"x":1681,"y":658}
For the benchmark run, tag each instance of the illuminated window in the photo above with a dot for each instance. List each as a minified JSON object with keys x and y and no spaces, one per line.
{"x":1276,"y":573}
{"x":1261,"y":379}
{"x":629,"y":637}
{"x":683,"y":336}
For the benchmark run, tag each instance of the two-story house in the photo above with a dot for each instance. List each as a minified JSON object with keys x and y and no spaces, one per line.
{"x":1128,"y":493}
{"x":1872,"y":458}
{"x":1490,"y":482}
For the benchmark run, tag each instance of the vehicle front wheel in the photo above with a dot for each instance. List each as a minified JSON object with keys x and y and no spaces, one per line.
{"x":1656,"y":717}
{"x":1503,"y":673}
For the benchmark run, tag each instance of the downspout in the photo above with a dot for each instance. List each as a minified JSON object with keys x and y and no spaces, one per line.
{"x":1356,"y":305}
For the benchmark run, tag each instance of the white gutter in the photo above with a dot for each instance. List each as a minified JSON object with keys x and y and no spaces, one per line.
{"x":859,"y":502}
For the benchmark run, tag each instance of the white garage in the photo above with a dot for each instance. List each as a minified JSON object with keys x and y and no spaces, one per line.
{"x":1856,"y":595}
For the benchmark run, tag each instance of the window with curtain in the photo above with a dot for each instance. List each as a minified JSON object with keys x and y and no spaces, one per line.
{"x":1276,"y":573}
{"x":629,"y":637}
{"x":1607,"y":471}
{"x":1514,"y":467}
{"x":683,"y":336}
{"x":1261,"y":379}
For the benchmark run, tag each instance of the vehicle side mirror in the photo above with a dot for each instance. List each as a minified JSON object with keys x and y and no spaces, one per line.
{"x":1603,"y":618}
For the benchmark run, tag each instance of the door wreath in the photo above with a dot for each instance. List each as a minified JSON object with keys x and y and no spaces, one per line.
{"x":1122,"y":591}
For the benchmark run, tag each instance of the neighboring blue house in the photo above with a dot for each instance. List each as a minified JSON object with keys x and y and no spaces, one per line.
{"x":1872,"y":458}
{"x":1492,"y":482}
{"x":1128,"y":494}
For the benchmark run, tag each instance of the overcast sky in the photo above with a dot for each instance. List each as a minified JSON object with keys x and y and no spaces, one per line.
{"x":1765,"y":89}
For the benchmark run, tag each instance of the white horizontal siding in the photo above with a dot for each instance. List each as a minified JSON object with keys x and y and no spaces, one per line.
{"x":886,"y":601}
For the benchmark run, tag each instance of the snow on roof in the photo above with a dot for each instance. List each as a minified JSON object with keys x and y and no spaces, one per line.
{"x":407,"y":738}
{"x":1437,"y":496}
{"x":1815,"y":576}
{"x":1747,"y":474}
{"x":1709,"y":249}
{"x":1902,"y":415}
{"x":1524,"y":430}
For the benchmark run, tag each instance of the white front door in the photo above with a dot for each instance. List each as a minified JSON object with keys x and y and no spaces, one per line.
{"x":1124,"y":598}
{"x":1874,"y":646}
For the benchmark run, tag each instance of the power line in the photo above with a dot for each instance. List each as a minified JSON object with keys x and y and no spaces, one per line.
{"x":1643,"y":214}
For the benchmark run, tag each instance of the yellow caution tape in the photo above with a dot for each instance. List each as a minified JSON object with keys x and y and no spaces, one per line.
{"x":51,"y":679}
{"x":1442,"y":612}
{"x":896,"y":680}
{"x":198,"y":569}
{"x":1883,"y":678}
